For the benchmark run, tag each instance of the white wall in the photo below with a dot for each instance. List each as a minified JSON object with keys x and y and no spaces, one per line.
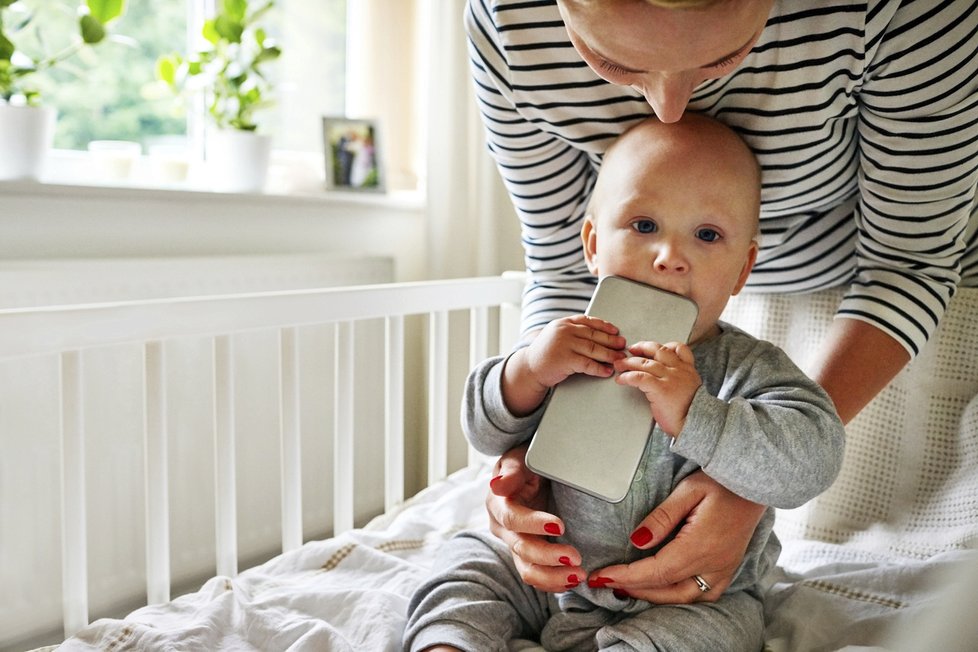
{"x":54,"y":221}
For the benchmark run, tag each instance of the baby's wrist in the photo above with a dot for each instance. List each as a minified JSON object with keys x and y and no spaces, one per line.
{"x":522,"y":392}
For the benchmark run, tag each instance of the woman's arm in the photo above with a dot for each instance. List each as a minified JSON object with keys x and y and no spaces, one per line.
{"x":859,"y":360}
{"x":918,"y":162}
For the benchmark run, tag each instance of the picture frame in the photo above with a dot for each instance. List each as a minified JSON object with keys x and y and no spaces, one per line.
{"x":353,"y":154}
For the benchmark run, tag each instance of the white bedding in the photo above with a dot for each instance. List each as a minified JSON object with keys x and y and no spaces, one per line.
{"x":343,"y":594}
{"x":350,"y":594}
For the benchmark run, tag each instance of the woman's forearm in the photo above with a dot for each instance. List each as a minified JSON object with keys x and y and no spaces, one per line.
{"x":858,"y":360}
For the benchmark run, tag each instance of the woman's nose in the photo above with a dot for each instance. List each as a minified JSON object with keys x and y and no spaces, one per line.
{"x":668,"y":94}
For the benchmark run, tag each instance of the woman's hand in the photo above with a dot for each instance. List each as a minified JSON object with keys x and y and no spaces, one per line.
{"x":717,"y":525}
{"x":515,"y":503}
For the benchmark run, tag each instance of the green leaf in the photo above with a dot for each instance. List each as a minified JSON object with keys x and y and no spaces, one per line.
{"x":229,"y":29}
{"x":166,"y":69}
{"x":210,"y":32}
{"x":235,"y":9}
{"x":6,"y":48}
{"x":92,"y":30}
{"x":268,"y":54}
{"x":105,"y":11}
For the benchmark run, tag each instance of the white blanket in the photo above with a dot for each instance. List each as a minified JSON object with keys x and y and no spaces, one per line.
{"x":345,"y":594}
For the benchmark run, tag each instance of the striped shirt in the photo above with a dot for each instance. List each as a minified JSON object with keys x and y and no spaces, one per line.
{"x":863,"y":116}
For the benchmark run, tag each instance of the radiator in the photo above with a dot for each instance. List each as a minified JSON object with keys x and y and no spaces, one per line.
{"x":112,"y":377}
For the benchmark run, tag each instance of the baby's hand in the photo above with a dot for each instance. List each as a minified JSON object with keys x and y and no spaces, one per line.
{"x":667,"y":375}
{"x":567,"y":346}
{"x":574,"y":345}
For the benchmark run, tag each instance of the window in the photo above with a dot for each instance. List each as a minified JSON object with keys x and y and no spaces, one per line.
{"x":100,"y":93}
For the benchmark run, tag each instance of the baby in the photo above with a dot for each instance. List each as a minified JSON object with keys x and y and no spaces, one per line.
{"x":675,"y":206}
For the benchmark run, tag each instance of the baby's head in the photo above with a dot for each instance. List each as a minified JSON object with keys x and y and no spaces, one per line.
{"x":676,"y":206}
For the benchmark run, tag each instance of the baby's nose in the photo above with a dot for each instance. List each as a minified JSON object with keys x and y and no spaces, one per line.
{"x":670,"y":259}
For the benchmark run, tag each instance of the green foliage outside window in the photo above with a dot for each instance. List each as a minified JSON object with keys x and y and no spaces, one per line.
{"x":230,"y":69}
{"x":27,"y":51}
{"x":98,"y":92}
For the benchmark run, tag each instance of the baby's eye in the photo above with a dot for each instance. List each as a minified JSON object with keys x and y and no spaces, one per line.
{"x":708,"y":235}
{"x":644,"y":226}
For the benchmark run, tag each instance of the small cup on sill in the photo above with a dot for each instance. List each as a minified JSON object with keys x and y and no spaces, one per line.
{"x":114,"y":159}
{"x":169,"y":163}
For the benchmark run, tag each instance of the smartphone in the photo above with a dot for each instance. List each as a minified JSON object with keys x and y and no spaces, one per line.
{"x":594,"y":431}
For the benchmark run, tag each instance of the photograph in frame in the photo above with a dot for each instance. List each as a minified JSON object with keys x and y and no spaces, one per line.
{"x":353,"y":157}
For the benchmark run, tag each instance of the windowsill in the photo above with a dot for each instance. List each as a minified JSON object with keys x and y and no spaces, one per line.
{"x":293,"y":177}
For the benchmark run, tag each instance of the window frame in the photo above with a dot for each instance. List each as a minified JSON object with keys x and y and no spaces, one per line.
{"x":305,"y":168}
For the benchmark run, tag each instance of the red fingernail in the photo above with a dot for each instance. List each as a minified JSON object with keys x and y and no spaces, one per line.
{"x":621,"y":594}
{"x":599,"y":582}
{"x":552,"y":528}
{"x":641,"y":536}
{"x":565,"y":561}
{"x":572,"y":580}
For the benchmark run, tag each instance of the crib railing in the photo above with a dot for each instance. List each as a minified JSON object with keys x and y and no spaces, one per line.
{"x":67,"y":332}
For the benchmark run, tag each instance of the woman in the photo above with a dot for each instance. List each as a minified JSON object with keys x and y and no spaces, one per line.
{"x":864,"y":118}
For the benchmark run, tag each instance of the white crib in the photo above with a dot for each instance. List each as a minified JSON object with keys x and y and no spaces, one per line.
{"x":286,"y":429}
{"x":412,"y":412}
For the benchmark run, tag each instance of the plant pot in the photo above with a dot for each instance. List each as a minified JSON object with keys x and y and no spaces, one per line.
{"x":26,"y":136}
{"x":237,"y":161}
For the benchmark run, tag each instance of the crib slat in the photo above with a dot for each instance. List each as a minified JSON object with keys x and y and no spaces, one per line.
{"x":157,"y":486}
{"x":291,"y":441}
{"x":478,"y":351}
{"x":478,"y":335}
{"x":437,"y":396}
{"x":394,"y":412}
{"x":74,"y":535}
{"x":343,"y":480}
{"x":224,"y":472}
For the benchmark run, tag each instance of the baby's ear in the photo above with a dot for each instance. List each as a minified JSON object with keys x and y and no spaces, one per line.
{"x":748,"y":266}
{"x":589,"y":240}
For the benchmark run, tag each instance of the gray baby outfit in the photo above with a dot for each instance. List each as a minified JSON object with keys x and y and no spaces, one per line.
{"x":757,"y":425}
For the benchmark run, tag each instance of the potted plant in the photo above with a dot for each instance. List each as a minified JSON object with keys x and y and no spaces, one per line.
{"x":229,"y":72}
{"x":26,"y":126}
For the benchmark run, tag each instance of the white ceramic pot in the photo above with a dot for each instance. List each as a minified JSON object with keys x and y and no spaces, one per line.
{"x":26,"y":136}
{"x":237,"y":161}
